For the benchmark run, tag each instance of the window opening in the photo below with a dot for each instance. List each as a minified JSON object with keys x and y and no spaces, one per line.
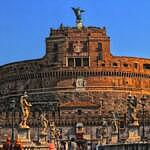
{"x":146,"y":66}
{"x":71,"y":62}
{"x":78,"y":62}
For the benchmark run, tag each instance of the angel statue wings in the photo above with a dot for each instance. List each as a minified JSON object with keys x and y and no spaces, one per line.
{"x":25,"y":108}
{"x":78,"y":13}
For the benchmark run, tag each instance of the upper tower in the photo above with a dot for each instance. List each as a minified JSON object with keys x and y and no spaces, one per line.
{"x":77,"y":46}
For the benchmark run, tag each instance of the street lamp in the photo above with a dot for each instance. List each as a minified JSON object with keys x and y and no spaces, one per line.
{"x":12,"y":105}
{"x":38,"y":132}
{"x":143,"y":98}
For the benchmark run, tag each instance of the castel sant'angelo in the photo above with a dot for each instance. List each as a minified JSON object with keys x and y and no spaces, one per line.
{"x":78,"y":79}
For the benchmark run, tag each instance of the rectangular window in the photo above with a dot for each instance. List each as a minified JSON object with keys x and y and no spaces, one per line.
{"x":99,"y":46}
{"x":85,"y":61}
{"x":79,"y":112}
{"x":55,"y":47}
{"x":70,"y":47}
{"x":71,"y":62}
{"x":78,"y":62}
{"x":114,"y":64}
{"x":85,"y":46}
{"x":135,"y":65}
{"x":122,"y":124}
{"x":55,"y":58}
{"x":125,"y":65}
{"x":146,"y":66}
{"x":100,"y":56}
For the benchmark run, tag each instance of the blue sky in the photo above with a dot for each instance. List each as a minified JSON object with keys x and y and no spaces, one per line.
{"x":24,"y":24}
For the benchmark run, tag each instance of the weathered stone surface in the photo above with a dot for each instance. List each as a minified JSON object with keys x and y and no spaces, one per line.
{"x":78,"y":66}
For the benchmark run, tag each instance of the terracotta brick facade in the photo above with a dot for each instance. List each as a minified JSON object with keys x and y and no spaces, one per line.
{"x":78,"y":65}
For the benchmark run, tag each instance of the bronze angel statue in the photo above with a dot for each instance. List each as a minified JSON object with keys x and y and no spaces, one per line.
{"x":78,"y":12}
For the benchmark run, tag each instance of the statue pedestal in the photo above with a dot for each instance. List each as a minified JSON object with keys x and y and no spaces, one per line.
{"x":43,"y":138}
{"x":24,"y":135}
{"x":133,"y":134}
{"x":114,"y":138}
{"x":79,"y":24}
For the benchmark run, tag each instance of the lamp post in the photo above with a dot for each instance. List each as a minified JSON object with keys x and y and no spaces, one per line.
{"x":143,"y":98}
{"x":12,"y":105}
{"x":38,"y":132}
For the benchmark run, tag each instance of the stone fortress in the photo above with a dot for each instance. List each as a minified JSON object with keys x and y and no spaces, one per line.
{"x":78,"y":80}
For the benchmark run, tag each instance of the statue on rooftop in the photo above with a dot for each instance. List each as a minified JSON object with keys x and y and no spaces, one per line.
{"x":25,"y":108}
{"x":78,"y":12}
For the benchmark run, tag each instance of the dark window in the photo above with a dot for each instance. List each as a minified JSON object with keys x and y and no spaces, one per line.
{"x":70,"y":47}
{"x":55,"y":47}
{"x":115,"y":65}
{"x":146,"y":66}
{"x":135,"y":65}
{"x":21,"y":68}
{"x":78,"y":62}
{"x":122,"y":124}
{"x":99,"y":46}
{"x":103,"y":65}
{"x":7,"y":115}
{"x":85,"y":61}
{"x":71,"y":62}
{"x":26,"y":86}
{"x":79,"y":112}
{"x":85,"y":47}
{"x":55,"y":58}
{"x":125,"y":65}
{"x":100,"y":57}
{"x":98,"y":133}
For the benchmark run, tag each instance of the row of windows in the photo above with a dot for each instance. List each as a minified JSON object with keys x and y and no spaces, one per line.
{"x":59,"y":74}
{"x":71,"y":47}
{"x":78,"y":62}
{"x":23,"y":67}
{"x":135,"y":65}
